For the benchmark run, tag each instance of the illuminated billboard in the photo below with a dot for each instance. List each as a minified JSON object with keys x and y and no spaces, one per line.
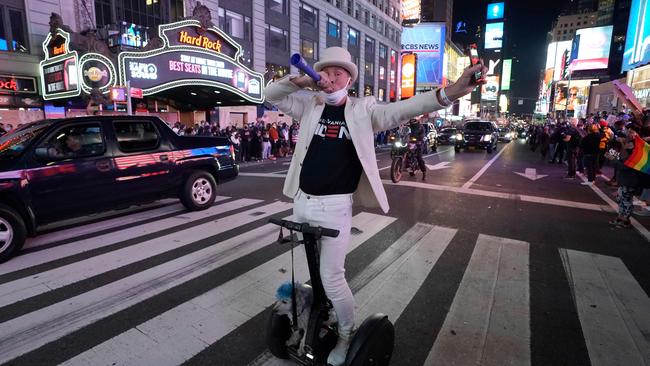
{"x":493,"y":35}
{"x":592,"y":48}
{"x":495,"y":11}
{"x":637,"y":41}
{"x":410,"y":11}
{"x":409,"y":71}
{"x":554,"y":54}
{"x":490,"y":89}
{"x":427,"y":41}
{"x":505,"y":74}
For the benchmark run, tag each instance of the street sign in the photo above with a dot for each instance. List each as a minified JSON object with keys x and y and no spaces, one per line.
{"x":136,"y":93}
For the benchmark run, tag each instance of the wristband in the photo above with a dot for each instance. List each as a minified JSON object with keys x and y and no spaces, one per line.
{"x":443,"y":97}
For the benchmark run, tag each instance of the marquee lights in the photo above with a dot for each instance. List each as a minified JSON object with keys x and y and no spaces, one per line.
{"x":70,"y":67}
{"x":104,"y":61}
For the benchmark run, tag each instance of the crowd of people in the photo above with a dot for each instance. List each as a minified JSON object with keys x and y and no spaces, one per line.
{"x":586,"y":145}
{"x":254,"y":141}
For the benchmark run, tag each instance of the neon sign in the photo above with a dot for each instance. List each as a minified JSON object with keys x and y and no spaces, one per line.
{"x":199,"y":41}
{"x":188,"y":57}
{"x":60,"y":73}
{"x":9,"y":85}
{"x":98,"y":72}
{"x":58,"y":50}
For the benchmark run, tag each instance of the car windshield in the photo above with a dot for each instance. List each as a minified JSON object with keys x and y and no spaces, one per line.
{"x":477,"y":126}
{"x":449,"y":130}
{"x":16,"y":141}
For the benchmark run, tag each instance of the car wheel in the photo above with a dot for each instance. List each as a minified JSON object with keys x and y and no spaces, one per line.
{"x":12,"y":232}
{"x":199,"y":191}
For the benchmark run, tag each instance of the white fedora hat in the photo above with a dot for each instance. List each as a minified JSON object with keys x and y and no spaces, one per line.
{"x":337,"y":56}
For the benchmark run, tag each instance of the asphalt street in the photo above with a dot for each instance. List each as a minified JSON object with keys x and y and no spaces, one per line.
{"x":495,"y":259}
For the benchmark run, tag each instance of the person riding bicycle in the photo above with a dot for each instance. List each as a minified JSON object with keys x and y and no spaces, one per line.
{"x":418,"y":133}
{"x":335,"y":160}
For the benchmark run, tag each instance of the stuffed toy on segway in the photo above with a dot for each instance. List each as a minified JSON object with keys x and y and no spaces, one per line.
{"x":302,"y":325}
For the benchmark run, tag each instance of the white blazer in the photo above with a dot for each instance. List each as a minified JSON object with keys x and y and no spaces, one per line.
{"x":364,"y":117}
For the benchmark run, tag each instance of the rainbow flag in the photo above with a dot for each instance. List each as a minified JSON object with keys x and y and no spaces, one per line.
{"x":639,"y":159}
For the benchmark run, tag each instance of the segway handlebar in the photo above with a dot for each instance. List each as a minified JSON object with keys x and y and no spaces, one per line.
{"x":305,"y":228}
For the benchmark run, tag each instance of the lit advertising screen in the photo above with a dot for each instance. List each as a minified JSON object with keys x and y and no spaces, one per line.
{"x":427,"y":41}
{"x":554,"y":54}
{"x":61,"y":77}
{"x":493,"y":35}
{"x":490,"y":89}
{"x":410,"y":11}
{"x":178,"y":67}
{"x":637,"y":41}
{"x":409,"y":62}
{"x":593,"y":48}
{"x":495,"y":11}
{"x":505,"y":75}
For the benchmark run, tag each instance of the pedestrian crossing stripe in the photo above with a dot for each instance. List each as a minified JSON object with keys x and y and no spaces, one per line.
{"x":488,"y":322}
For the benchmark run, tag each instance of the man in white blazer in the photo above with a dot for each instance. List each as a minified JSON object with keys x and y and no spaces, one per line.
{"x":334,"y":160}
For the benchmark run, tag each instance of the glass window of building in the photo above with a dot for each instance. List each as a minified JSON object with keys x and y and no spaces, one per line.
{"x":333,"y":27}
{"x":339,"y":4}
{"x":373,"y":21}
{"x":370,"y":68}
{"x":309,"y":49}
{"x":13,"y":30}
{"x":366,"y":17}
{"x":278,"y":71}
{"x":382,"y":51}
{"x":277,"y":38}
{"x":235,"y":24}
{"x":382,"y":95}
{"x":357,"y":11}
{"x":277,"y":5}
{"x":146,"y":13}
{"x":103,"y":13}
{"x":176,"y":10}
{"x":382,"y":73}
{"x":370,"y":45}
{"x":350,"y":7}
{"x":308,"y":15}
{"x":353,"y":37}
{"x":367,"y":90}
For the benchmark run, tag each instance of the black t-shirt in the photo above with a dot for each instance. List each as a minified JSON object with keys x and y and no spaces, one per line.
{"x":331,"y":165}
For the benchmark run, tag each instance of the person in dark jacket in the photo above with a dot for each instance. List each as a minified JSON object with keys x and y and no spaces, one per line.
{"x":590,"y":149}
{"x":628,"y":183}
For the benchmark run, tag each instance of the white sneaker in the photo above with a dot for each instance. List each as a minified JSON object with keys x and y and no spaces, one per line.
{"x":587,"y":183}
{"x":340,"y":351}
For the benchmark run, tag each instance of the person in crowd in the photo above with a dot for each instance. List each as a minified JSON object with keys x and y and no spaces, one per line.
{"x":571,"y":139}
{"x":580,"y":156}
{"x":628,"y":182}
{"x":256,"y":144}
{"x":266,"y":145}
{"x":236,"y":144}
{"x":590,"y":148}
{"x":274,"y":136}
{"x":606,"y":136}
{"x":246,"y":144}
{"x":293,"y":135}
{"x":544,"y":138}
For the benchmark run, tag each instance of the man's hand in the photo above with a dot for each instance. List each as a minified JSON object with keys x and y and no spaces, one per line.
{"x":305,"y":81}
{"x":465,"y":83}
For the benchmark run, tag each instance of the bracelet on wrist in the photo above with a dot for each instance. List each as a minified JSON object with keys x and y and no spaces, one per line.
{"x":443,"y":98}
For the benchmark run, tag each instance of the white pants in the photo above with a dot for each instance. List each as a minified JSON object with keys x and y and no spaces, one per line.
{"x":266,"y":149}
{"x":333,"y":212}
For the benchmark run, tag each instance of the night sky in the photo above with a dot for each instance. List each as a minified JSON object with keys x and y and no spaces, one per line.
{"x":527,"y":25}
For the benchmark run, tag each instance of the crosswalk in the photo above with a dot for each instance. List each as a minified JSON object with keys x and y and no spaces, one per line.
{"x":169,"y":287}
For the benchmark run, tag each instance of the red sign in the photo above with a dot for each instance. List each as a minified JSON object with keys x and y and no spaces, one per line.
{"x":408,"y":75}
{"x":136,"y":93}
{"x":8,"y":85}
{"x":58,"y":50}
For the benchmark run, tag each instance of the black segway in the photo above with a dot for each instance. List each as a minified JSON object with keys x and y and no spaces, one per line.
{"x":372,"y":344}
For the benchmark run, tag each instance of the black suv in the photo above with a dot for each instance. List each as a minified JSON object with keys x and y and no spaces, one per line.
{"x":477,"y":134}
{"x":61,"y":168}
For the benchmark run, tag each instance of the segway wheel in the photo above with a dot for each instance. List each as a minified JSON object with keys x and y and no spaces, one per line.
{"x":278,"y":331}
{"x":373,"y":343}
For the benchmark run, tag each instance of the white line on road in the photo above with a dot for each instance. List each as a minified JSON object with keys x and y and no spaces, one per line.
{"x":637,"y":225}
{"x":80,"y":246}
{"x":184,"y":331}
{"x":26,"y":287}
{"x":489,"y":320}
{"x":485,"y":168}
{"x":612,"y":307}
{"x":30,"y":331}
{"x":506,"y":196}
{"x":426,"y":156}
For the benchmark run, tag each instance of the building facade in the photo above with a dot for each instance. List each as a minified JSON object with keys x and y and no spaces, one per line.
{"x":269,"y":31}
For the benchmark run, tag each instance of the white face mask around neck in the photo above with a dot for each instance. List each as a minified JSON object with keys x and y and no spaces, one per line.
{"x":335,"y":98}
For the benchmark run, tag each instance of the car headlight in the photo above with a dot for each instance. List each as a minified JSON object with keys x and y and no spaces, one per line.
{"x":399,"y":144}
{"x":458,"y":136}
{"x":487,"y":138}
